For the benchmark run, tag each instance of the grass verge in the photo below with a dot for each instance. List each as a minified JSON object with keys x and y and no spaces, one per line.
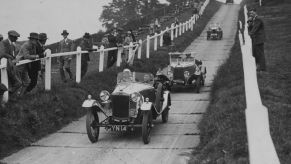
{"x":36,"y":115}
{"x":223,"y":130}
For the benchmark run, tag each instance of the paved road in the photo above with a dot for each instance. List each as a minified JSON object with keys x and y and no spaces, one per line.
{"x":170,"y":143}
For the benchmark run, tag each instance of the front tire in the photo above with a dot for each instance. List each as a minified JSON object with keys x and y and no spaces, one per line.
{"x":165,"y":115}
{"x":93,"y":133}
{"x":146,"y":127}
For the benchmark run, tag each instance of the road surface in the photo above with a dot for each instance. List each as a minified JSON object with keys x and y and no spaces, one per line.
{"x":170,"y":143}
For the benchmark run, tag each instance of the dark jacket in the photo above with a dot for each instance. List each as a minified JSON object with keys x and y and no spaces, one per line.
{"x":86,"y":45}
{"x":6,"y":49}
{"x":257,"y":31}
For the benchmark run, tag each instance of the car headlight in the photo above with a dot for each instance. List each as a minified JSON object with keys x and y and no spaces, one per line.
{"x":186,"y":74}
{"x":135,"y":97}
{"x":104,"y":95}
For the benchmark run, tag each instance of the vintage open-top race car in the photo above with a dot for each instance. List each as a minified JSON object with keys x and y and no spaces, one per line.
{"x":214,"y":32}
{"x":136,"y":101}
{"x":185,"y":70}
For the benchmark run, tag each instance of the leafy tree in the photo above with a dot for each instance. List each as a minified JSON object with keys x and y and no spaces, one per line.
{"x":122,"y":11}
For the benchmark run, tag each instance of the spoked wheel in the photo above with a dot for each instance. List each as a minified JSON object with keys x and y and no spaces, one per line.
{"x":146,"y":127}
{"x":165,"y":115}
{"x":197,"y":86}
{"x":92,"y":131}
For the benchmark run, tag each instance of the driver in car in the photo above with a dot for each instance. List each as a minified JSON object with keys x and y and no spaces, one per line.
{"x":126,"y":76}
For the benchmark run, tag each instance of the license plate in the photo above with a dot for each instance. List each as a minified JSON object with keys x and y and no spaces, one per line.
{"x":118,"y":128}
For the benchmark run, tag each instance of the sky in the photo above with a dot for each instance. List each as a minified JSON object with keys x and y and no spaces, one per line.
{"x":51,"y":17}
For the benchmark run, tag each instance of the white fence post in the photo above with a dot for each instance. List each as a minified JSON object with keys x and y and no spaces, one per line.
{"x":183,"y":28}
{"x":119,"y":51}
{"x":186,"y":26}
{"x":148,"y":47}
{"x":180,"y":29}
{"x":172,"y":32}
{"x":192,"y":23}
{"x":161,"y":38}
{"x":101,"y":59}
{"x":4,"y":79}
{"x":131,"y":54}
{"x":78,"y":65}
{"x":156,"y":42}
{"x":176,"y":31}
{"x":48,"y":70}
{"x":139,"y":49}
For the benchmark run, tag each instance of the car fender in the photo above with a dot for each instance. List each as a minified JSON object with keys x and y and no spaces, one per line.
{"x":146,"y":106}
{"x":90,"y":103}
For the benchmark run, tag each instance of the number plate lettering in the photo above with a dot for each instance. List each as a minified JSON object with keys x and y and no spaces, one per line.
{"x":118,"y":128}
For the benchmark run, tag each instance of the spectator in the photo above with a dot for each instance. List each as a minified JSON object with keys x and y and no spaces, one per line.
{"x":27,"y":51}
{"x":1,"y":37}
{"x":86,"y":45}
{"x":112,"y":55}
{"x":126,"y":42}
{"x":42,"y":41}
{"x":65,"y":45}
{"x":35,"y":66}
{"x":167,"y":38}
{"x":132,"y":35}
{"x":104,"y":41}
{"x":7,"y":50}
{"x":257,"y":33}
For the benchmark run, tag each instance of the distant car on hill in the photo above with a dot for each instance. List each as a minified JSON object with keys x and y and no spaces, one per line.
{"x":214,"y":32}
{"x":229,"y":1}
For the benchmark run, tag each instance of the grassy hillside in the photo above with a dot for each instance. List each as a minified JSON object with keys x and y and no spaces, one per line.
{"x":40,"y":113}
{"x":223,"y":130}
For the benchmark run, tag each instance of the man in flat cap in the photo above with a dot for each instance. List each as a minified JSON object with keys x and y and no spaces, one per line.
{"x":8,"y":51}
{"x":86,"y":45}
{"x":27,"y":51}
{"x":34,"y":67}
{"x":65,"y":45}
{"x":41,"y":50}
{"x":257,"y":33}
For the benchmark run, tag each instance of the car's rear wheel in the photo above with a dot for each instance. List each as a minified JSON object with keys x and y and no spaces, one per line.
{"x":146,"y":127}
{"x":165,"y":115}
{"x":92,"y":131}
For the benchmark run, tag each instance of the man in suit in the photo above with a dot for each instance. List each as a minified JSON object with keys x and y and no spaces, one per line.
{"x":257,"y":33}
{"x":86,"y":45}
{"x":28,"y":51}
{"x":65,"y":45}
{"x":112,"y":55}
{"x":8,"y":51}
{"x":1,"y":37}
{"x":34,"y":67}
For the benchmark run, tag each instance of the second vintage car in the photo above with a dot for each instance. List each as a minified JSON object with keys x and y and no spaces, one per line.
{"x":136,"y":101}
{"x":185,"y":70}
{"x":214,"y":32}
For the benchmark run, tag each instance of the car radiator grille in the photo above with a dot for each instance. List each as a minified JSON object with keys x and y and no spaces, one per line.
{"x":178,"y":73}
{"x":120,"y":106}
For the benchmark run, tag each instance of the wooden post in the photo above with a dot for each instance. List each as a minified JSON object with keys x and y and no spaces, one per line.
{"x":156,"y":42}
{"x":48,"y":70}
{"x":192,"y":23}
{"x":172,"y":32}
{"x":78,"y":65}
{"x":139,"y":49}
{"x":148,"y":47}
{"x":176,"y":31}
{"x":101,"y":59}
{"x":4,"y":79}
{"x":161,"y":38}
{"x":180,"y":29}
{"x":119,"y":51}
